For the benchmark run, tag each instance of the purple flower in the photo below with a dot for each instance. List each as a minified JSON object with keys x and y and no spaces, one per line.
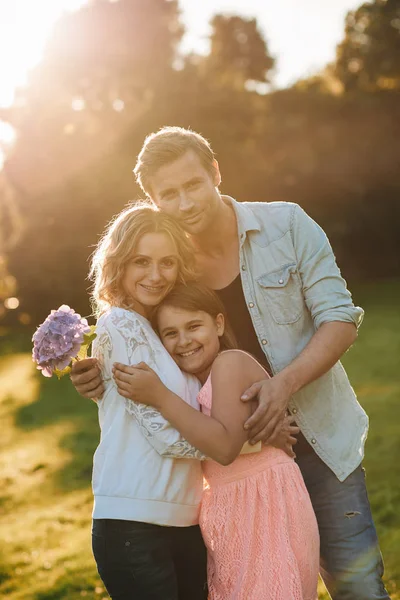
{"x":58,"y":340}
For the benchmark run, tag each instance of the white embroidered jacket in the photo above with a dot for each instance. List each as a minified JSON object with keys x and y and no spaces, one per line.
{"x":135,"y":476}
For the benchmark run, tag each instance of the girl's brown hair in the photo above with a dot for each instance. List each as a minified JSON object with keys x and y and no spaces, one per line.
{"x":195,"y":297}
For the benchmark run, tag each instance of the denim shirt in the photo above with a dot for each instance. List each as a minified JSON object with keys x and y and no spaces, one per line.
{"x":292,"y":286}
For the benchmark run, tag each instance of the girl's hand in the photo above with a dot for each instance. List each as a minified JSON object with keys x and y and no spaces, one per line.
{"x":139,"y":383}
{"x":285,"y":438}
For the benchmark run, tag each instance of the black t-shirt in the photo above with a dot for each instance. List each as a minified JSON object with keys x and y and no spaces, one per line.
{"x":239,"y":318}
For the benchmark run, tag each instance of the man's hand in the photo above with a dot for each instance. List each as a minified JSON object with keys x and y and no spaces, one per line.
{"x":285,"y":439}
{"x":139,"y":383}
{"x":87,"y":379}
{"x":273,"y":396}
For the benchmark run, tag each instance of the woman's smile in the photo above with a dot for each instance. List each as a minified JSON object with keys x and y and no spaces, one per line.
{"x":151,"y":272}
{"x":152,"y":289}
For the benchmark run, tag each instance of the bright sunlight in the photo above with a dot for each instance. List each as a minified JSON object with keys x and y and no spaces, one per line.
{"x":24,"y":27}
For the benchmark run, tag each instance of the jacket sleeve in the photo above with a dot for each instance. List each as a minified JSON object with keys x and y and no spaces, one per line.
{"x":122,"y":338}
{"x":325,"y":291}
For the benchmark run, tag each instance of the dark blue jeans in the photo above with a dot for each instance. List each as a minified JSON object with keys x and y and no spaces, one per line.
{"x":141,"y":561}
{"x":351,"y":562}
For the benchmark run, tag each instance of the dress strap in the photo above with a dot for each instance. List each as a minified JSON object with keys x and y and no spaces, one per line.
{"x":248,"y":354}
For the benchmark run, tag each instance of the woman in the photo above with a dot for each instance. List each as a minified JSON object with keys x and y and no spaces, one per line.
{"x":146,"y":540}
{"x":256,"y":515}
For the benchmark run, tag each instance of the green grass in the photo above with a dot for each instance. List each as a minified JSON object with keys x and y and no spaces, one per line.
{"x":49,"y":434}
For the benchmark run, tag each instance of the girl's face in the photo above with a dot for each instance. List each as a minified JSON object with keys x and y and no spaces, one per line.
{"x":191,"y":338}
{"x":151,"y":272}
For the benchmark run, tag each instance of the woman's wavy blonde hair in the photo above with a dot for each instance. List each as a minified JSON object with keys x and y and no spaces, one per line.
{"x":119,"y":242}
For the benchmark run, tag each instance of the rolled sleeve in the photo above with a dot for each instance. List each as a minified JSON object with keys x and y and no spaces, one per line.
{"x":325,"y":291}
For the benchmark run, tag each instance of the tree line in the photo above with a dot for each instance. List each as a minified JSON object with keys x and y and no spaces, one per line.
{"x":111,"y":73}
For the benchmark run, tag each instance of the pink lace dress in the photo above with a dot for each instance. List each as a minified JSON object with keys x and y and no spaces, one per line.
{"x":259,"y":526}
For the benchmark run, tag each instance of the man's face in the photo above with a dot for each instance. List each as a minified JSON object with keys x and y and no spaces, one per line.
{"x":187,"y":192}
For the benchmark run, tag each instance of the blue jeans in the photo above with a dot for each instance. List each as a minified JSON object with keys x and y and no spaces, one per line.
{"x":351,"y":562}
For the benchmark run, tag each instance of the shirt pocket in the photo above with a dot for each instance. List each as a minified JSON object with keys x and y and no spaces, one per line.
{"x":282,"y":292}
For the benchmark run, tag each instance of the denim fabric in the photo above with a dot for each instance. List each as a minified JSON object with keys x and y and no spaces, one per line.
{"x":351,"y":562}
{"x":142,"y":561}
{"x":292,"y":286}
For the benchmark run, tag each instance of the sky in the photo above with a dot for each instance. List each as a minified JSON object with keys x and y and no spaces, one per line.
{"x":302,"y":34}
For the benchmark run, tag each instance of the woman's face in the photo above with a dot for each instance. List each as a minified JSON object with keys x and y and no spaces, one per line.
{"x":191,"y":338}
{"x":151,"y":271}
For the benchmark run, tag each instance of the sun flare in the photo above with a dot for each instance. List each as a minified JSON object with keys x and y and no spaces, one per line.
{"x":24,"y":27}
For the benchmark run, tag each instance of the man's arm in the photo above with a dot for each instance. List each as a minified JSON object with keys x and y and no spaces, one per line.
{"x":325,"y":291}
{"x":87,"y":379}
{"x":322,"y":352}
{"x":335,"y":319}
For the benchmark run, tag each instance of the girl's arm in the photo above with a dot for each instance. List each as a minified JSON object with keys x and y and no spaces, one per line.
{"x":121,"y":337}
{"x":220,"y":436}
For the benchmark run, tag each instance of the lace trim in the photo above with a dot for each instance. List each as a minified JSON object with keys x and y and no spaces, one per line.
{"x":136,"y":341}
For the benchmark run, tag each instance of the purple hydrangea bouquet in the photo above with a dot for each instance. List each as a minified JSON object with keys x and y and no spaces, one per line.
{"x":63,"y":337}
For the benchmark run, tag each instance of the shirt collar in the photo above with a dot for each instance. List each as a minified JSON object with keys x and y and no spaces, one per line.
{"x":245,"y":217}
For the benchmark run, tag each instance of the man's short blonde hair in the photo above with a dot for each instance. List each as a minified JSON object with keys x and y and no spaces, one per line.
{"x":165,"y":146}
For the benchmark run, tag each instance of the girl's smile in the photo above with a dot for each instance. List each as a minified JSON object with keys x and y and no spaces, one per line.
{"x":191,"y":338}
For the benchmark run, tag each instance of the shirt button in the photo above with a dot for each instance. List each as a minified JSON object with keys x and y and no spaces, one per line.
{"x":280,"y":281}
{"x":251,"y":304}
{"x":294,"y":411}
{"x":243,"y":267}
{"x":313,"y":441}
{"x":264,"y":342}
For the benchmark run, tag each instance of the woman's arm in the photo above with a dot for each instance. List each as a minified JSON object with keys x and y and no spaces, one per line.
{"x":220,"y":436}
{"x":121,"y":337}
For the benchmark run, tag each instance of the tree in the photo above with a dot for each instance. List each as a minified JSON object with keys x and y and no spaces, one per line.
{"x":369,"y":57}
{"x":239,"y":53}
{"x":71,"y":166}
{"x":10,"y":232}
{"x":101,"y":69}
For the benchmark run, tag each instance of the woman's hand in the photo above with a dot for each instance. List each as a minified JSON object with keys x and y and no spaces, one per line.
{"x":139,"y":383}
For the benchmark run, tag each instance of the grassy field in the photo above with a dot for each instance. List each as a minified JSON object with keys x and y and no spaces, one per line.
{"x":49,"y":435}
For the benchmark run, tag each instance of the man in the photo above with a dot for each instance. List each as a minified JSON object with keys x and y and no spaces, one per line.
{"x":275,"y":271}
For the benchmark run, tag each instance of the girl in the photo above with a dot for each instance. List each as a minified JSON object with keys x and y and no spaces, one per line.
{"x":256,"y":516}
{"x":146,"y":539}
